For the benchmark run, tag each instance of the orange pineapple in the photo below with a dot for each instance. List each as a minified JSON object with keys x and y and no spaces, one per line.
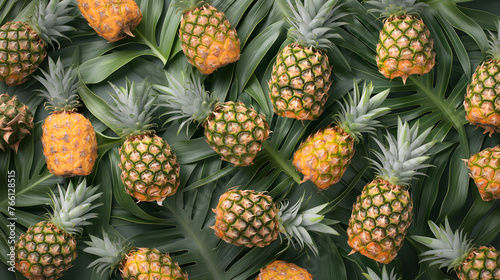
{"x":485,"y":170}
{"x":283,"y":270}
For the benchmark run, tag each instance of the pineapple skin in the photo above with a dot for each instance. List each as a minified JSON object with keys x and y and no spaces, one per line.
{"x":405,"y":48}
{"x":149,"y":168}
{"x":69,"y":144}
{"x":113,"y":20}
{"x":283,"y":270}
{"x":236,"y":132}
{"x":21,"y":51}
{"x":485,"y":170}
{"x":207,"y":39}
{"x":246,"y":218}
{"x":379,"y":221}
{"x":481,"y":264}
{"x":300,"y":82}
{"x":16,"y":122}
{"x":149,"y":264}
{"x":44,"y":252}
{"x":324,"y":156}
{"x":481,"y":100}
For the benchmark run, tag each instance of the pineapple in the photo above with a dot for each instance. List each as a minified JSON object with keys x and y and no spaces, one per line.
{"x":382,"y":212}
{"x":452,"y":250}
{"x":133,"y":263}
{"x":47,"y":249}
{"x":249,"y":218}
{"x":207,"y":38}
{"x":113,"y":20}
{"x":149,"y":167}
{"x":325,"y":155}
{"x":69,"y":140}
{"x":16,"y":122}
{"x":372,"y":275}
{"x":23,"y":45}
{"x":283,"y":270}
{"x":405,"y":46}
{"x":301,"y":76}
{"x":481,"y":100}
{"x":235,"y":131}
{"x":485,"y":170}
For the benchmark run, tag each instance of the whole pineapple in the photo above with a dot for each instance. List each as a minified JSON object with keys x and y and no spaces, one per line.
{"x":325,"y":155}
{"x":236,"y":132}
{"x":149,"y":167}
{"x":69,"y":140}
{"x":452,"y":250}
{"x":23,"y":45}
{"x":16,"y":122}
{"x":283,"y":270}
{"x":301,"y":76}
{"x":207,"y":38}
{"x":252,"y":219}
{"x":382,"y":212}
{"x":113,"y":20}
{"x":481,"y":100}
{"x":405,"y":46}
{"x":47,"y":249}
{"x":133,"y":263}
{"x":485,"y":170}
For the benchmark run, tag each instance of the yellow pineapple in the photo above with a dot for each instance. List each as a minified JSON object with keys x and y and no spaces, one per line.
{"x":283,"y":270}
{"x":69,"y":140}
{"x":111,"y":19}
{"x":485,"y":170}
{"x":325,"y":155}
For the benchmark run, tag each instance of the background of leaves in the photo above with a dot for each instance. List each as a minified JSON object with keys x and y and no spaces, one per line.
{"x":181,"y":226}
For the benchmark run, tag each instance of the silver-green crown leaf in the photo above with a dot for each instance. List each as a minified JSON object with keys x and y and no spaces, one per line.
{"x":133,"y":108}
{"x":110,"y":252}
{"x":395,"y":8}
{"x":296,"y":222}
{"x":372,"y":275}
{"x":404,"y":155}
{"x":494,"y":51}
{"x":185,"y":99}
{"x":448,"y":249}
{"x":313,"y":22}
{"x":61,"y":87}
{"x":71,"y":208}
{"x":359,"y":113}
{"x":50,"y":19}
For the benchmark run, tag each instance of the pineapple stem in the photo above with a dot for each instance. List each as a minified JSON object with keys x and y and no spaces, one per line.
{"x":285,"y":166}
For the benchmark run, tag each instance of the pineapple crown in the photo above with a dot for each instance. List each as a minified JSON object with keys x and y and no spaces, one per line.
{"x":185,"y":98}
{"x":186,"y":5}
{"x":110,"y":251}
{"x":448,"y":249}
{"x":71,"y":208}
{"x":50,"y":19}
{"x":494,"y":43}
{"x":405,"y":154}
{"x":313,"y":22}
{"x":371,"y":275}
{"x":359,"y":113}
{"x":395,"y":8}
{"x":133,"y":108}
{"x":297,"y":221}
{"x":61,"y":87}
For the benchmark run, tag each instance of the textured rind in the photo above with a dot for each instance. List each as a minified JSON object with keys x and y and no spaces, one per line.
{"x":482,"y":263}
{"x":21,"y":51}
{"x":283,"y":270}
{"x":149,"y":168}
{"x":300,"y":82}
{"x":246,"y":218}
{"x":113,"y":20}
{"x":44,"y":252}
{"x":145,"y":263}
{"x":207,"y":39}
{"x":482,"y":100}
{"x":16,"y":121}
{"x":380,"y":218}
{"x":405,"y":48}
{"x":324,"y":156}
{"x":484,"y":168}
{"x":69,"y":144}
{"x":236,"y":132}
